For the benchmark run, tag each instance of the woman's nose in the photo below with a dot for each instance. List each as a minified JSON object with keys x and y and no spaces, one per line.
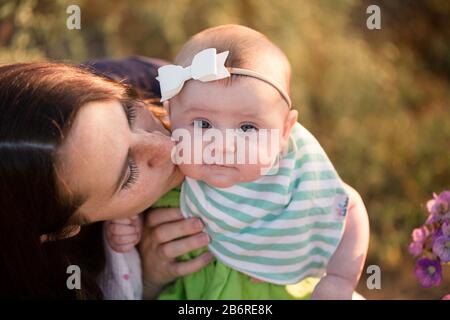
{"x":152,"y":147}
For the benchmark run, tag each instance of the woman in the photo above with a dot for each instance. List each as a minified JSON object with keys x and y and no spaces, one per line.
{"x":76,"y":149}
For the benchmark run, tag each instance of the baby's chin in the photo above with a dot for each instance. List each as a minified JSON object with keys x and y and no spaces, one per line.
{"x":219,"y":176}
{"x":215,"y":179}
{"x":220,"y":181}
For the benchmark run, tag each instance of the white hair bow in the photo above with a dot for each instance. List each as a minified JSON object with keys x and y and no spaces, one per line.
{"x":207,"y":65}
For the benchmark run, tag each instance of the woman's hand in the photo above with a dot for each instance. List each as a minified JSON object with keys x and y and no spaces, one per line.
{"x":167,"y":235}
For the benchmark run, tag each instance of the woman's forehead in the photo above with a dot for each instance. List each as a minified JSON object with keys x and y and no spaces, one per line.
{"x":89,"y":156}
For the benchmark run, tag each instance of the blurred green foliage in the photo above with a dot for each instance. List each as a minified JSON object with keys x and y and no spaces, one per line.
{"x":378,"y":100}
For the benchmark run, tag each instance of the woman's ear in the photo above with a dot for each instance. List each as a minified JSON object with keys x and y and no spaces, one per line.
{"x":289,"y":122}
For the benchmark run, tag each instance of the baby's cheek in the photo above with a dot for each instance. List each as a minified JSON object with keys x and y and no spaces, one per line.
{"x":250,"y":172}
{"x":263,"y":153}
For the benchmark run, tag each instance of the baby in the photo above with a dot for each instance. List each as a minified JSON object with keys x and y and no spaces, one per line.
{"x":280,"y":220}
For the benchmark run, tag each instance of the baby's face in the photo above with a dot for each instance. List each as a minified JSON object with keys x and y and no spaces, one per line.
{"x":224,"y":125}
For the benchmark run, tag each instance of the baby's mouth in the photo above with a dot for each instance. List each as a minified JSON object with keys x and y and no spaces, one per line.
{"x":220,"y":166}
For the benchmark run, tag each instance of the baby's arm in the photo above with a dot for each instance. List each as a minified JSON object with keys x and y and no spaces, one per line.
{"x":346,"y":264}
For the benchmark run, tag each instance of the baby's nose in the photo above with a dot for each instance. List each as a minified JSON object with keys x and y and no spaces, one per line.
{"x":229,"y":146}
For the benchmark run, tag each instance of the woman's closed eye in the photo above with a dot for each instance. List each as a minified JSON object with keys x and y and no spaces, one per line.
{"x":132,"y":176}
{"x":202,"y":124}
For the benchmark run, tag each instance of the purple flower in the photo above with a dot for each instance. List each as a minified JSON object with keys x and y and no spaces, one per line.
{"x":446,"y":228}
{"x":446,"y":297}
{"x":420,"y":234}
{"x":441,"y":248}
{"x":439,"y":207}
{"x":436,"y":234}
{"x":415,"y":248}
{"x":429,"y":272}
{"x":431,"y":202}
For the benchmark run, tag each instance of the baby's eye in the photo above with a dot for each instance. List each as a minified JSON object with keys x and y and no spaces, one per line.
{"x":247,"y":127}
{"x":202,"y":124}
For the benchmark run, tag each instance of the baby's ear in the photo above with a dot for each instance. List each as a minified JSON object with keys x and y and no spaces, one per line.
{"x":291,"y":119}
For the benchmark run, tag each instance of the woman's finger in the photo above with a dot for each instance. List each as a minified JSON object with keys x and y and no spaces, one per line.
{"x":175,"y":230}
{"x":179,"y":269}
{"x":177,"y":248}
{"x":162,"y":215}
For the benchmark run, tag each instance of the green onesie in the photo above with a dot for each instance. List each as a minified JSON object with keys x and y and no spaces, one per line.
{"x":227,"y":283}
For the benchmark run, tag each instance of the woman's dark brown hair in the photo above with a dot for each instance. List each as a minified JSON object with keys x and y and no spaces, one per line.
{"x":38,"y":102}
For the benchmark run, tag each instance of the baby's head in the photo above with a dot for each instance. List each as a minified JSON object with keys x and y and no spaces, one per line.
{"x":240,"y":102}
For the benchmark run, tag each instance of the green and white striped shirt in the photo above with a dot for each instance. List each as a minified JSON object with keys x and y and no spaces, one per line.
{"x":280,"y":228}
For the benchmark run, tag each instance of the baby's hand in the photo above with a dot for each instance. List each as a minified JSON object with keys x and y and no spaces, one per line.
{"x":123,"y":234}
